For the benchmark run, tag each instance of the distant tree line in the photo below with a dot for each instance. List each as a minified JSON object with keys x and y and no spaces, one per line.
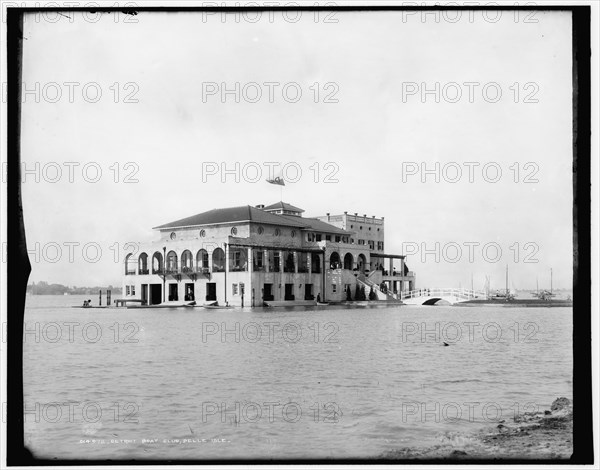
{"x":43,"y":288}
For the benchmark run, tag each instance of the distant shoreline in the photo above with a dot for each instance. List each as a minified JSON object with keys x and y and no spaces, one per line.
{"x":43,"y":288}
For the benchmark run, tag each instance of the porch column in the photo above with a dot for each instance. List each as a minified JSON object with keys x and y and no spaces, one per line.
{"x":226,"y":270}
{"x":247,"y":297}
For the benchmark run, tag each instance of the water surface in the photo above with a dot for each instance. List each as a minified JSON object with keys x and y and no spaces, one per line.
{"x":313,"y":382}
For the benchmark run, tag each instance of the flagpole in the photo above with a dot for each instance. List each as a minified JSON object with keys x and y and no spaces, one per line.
{"x":279,"y":181}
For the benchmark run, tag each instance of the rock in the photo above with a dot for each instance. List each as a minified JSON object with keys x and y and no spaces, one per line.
{"x":560,"y":403}
{"x":456,"y":453}
{"x":547,"y":412}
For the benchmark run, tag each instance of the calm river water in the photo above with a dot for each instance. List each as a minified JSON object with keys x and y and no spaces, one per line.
{"x":312,"y":382}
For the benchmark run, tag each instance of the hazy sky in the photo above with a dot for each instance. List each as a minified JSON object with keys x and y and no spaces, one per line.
{"x":376,"y":131}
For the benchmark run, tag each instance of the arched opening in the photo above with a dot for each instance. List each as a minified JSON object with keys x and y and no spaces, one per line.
{"x":289,"y":265}
{"x":348,"y":261}
{"x":334,"y":260}
{"x":157,"y":263}
{"x":315,"y":262}
{"x":187,"y":262}
{"x":362,"y":263}
{"x":171,"y":262}
{"x":202,"y":260}
{"x":130,"y":264}
{"x":143,"y":264}
{"x":218,"y":260}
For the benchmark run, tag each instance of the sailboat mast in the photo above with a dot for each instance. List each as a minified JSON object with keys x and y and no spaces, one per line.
{"x":507,"y":279}
{"x":551,"y":280}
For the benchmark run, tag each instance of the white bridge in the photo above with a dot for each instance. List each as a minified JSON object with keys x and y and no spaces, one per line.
{"x":431,"y":296}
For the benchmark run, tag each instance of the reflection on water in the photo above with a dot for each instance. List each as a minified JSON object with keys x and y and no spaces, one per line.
{"x":312,"y":382}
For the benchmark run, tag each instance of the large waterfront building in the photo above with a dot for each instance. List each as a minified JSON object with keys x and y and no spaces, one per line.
{"x":250,"y":255}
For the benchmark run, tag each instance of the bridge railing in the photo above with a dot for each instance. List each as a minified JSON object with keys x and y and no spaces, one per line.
{"x":459,"y":293}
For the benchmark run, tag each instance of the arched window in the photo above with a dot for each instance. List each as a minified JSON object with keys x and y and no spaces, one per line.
{"x":187,"y":262}
{"x":157,"y":263}
{"x":289,"y":265}
{"x":143,"y":264}
{"x":171,"y":262}
{"x":334,"y":260}
{"x":315,"y":263}
{"x":202,"y":260}
{"x":129,"y":264}
{"x":218,"y":260}
{"x":348,"y":261}
{"x":362,"y":263}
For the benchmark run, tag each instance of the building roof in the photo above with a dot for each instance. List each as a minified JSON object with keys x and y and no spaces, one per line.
{"x":312,"y":223}
{"x":253,"y":214}
{"x":283,"y":206}
{"x":232,"y":214}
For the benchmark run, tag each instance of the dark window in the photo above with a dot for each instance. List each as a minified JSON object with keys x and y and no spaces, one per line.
{"x":268,"y":292}
{"x":289,"y":292}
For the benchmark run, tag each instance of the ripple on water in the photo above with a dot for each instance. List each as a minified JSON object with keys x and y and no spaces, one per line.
{"x":171,"y":383}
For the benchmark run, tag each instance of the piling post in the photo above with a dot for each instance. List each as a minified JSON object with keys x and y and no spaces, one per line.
{"x":108,"y":297}
{"x":100,"y":298}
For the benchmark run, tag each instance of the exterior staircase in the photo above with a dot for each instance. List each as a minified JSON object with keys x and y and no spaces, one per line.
{"x":367,"y":283}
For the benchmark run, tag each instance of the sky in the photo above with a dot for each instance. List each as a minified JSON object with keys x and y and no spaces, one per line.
{"x":148,"y":111}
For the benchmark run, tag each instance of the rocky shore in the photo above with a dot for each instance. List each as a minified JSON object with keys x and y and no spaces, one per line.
{"x":541,"y":435}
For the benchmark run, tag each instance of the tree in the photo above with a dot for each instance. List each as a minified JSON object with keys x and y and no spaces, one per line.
{"x":348,"y":294}
{"x":363,"y":296}
{"x":357,"y":292}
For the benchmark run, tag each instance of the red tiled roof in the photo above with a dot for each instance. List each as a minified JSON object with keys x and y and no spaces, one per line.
{"x":318,"y":225}
{"x":252,"y":214}
{"x":283,"y":206}
{"x":232,"y":214}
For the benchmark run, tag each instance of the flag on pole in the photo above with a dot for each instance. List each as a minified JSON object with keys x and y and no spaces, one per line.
{"x":277,"y":180}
